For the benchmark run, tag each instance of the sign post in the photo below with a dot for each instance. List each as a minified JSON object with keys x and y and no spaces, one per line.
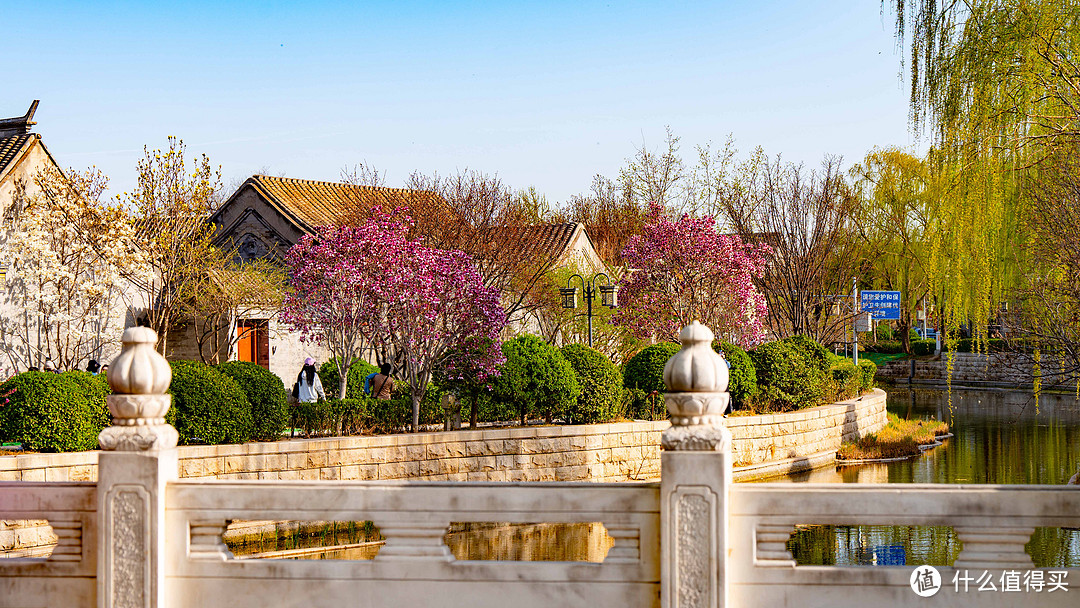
{"x":878,"y":306}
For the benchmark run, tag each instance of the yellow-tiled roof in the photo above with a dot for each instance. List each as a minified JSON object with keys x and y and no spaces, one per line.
{"x":327,"y":203}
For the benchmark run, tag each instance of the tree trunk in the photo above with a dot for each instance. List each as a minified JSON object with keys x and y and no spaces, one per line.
{"x":473,"y":409}
{"x":341,"y":385}
{"x":415,"y":412}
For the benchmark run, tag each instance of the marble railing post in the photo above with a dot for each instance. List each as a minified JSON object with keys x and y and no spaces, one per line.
{"x":695,"y":476}
{"x":138,"y":459}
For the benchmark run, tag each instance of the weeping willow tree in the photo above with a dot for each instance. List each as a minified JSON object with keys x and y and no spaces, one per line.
{"x":997,"y":82}
{"x":895,"y":194}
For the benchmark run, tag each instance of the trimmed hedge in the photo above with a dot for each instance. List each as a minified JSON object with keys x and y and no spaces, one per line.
{"x":354,"y":385}
{"x":923,"y":347}
{"x":645,"y":370}
{"x":334,"y":416}
{"x":599,"y":400}
{"x":265,"y":393}
{"x":50,"y":412}
{"x":788,"y":375}
{"x":847,"y":379}
{"x":537,"y":378}
{"x":869,"y":368}
{"x":208,"y":406}
{"x":742,"y":377}
{"x":814,"y":353}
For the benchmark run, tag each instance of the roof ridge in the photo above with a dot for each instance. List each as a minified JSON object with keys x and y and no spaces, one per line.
{"x":343,"y":184}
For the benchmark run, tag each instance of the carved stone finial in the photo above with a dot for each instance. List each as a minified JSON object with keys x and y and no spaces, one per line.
{"x":139,"y":377}
{"x":697,"y":380}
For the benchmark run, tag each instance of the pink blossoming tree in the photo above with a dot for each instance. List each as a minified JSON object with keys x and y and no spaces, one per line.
{"x":369,"y":285}
{"x":682,"y":269}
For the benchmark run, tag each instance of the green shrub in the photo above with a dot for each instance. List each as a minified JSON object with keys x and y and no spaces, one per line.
{"x":640,"y":405}
{"x":208,"y":406}
{"x":886,"y":347}
{"x":846,"y":378}
{"x":96,"y":389}
{"x":600,"y":385}
{"x":536,"y":378}
{"x":995,"y":345}
{"x":789,"y":376}
{"x":50,"y":412}
{"x":331,"y":379}
{"x":883,"y":331}
{"x":923,"y":347}
{"x":814,"y":353}
{"x":742,"y":377}
{"x":331,"y":417}
{"x":869,"y":368}
{"x":265,"y":393}
{"x":645,"y":370}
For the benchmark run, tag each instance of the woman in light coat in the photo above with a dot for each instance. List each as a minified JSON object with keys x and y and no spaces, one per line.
{"x":308,"y":386}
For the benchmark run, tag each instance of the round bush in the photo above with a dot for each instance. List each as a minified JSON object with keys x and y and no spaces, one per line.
{"x":788,"y":379}
{"x":536,"y":379}
{"x":354,"y":386}
{"x":600,"y":385}
{"x":742,"y":377}
{"x":50,"y":412}
{"x":814,"y":353}
{"x":645,"y":370}
{"x":208,"y":406}
{"x":266,"y":394}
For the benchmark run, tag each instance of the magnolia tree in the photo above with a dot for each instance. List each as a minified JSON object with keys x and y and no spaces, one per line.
{"x":370,"y":284}
{"x":682,"y":270}
{"x":66,"y":246}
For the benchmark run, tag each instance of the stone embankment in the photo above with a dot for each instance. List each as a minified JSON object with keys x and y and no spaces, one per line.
{"x":994,"y":369}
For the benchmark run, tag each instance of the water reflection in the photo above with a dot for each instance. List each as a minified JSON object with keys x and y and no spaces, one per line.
{"x":1000,"y":437}
{"x":585,"y":542}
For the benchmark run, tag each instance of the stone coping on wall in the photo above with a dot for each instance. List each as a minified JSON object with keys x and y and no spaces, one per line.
{"x":597,"y":452}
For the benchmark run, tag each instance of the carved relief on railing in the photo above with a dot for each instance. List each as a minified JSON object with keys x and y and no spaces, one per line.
{"x":993,"y":547}
{"x":626,"y":547}
{"x":69,"y":541}
{"x":206,"y":543}
{"x":770,"y":545}
{"x":414,"y":541}
{"x":127,"y":571}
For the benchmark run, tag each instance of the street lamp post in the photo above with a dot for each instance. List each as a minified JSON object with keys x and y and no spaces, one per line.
{"x":609,"y":294}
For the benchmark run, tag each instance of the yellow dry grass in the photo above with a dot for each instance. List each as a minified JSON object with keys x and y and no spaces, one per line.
{"x":898,"y":439}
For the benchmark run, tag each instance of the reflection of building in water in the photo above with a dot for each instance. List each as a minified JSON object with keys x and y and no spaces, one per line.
{"x":586,"y":542}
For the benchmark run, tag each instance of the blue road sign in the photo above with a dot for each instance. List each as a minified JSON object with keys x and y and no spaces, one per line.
{"x":884,"y":305}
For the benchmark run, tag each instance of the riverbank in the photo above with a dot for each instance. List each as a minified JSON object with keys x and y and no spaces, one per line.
{"x":898,"y":439}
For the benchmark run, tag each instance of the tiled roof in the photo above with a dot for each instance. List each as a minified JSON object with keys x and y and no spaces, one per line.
{"x":543,"y":241}
{"x":10,"y":147}
{"x":326,"y":203}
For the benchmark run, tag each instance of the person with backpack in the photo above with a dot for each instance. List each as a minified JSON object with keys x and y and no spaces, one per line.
{"x":308,"y":387}
{"x":379,"y":385}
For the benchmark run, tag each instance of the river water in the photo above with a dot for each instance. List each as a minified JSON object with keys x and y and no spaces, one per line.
{"x":1000,"y":437}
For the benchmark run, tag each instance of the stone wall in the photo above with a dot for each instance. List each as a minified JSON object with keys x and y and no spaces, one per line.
{"x":762,"y":445}
{"x":595,"y":452}
{"x":972,"y":368}
{"x":775,"y":444}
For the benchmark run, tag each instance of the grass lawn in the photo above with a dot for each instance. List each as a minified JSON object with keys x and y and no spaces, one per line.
{"x":881,"y":358}
{"x":898,"y":439}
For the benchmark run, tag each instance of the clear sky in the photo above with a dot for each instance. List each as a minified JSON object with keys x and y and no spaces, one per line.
{"x":545,"y":94}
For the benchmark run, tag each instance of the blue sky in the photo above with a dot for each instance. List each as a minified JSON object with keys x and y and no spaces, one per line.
{"x":545,"y":94}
